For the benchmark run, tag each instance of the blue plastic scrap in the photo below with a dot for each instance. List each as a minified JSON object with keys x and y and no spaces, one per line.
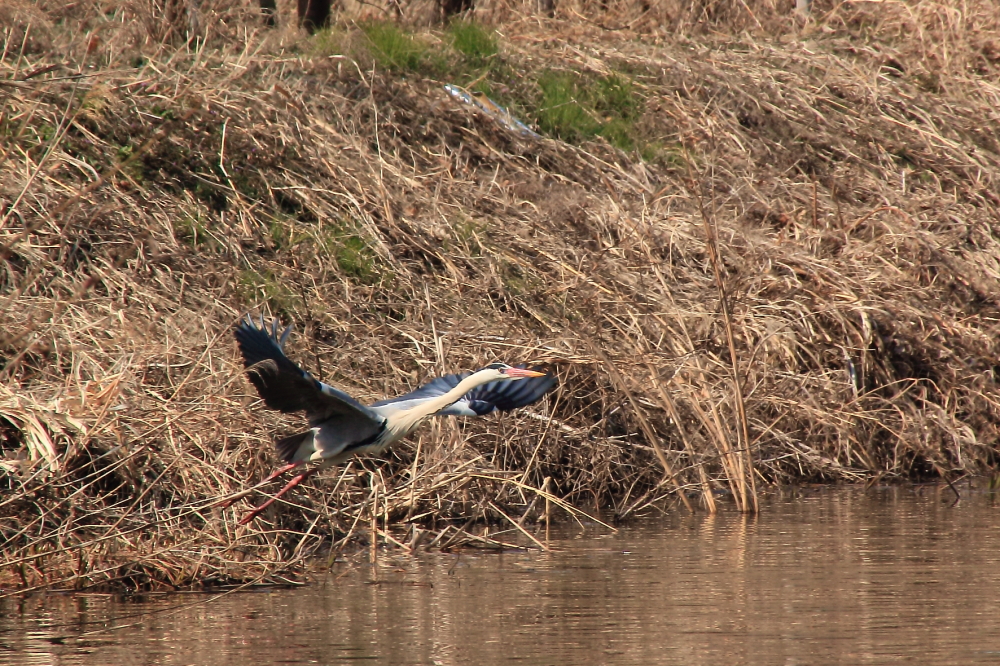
{"x":492,"y":109}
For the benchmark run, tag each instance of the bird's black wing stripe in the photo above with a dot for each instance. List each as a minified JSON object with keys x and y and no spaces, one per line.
{"x":368,"y":440}
{"x":481,"y":407}
{"x":507,"y":395}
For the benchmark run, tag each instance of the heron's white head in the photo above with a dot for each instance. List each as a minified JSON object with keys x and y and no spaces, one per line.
{"x":502,"y":371}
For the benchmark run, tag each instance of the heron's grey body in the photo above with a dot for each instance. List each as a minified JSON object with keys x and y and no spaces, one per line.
{"x":342,"y":427}
{"x":383,"y":423}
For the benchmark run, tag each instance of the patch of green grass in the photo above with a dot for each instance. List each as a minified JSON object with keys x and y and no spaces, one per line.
{"x":254,"y":286}
{"x":563,"y":110}
{"x":468,"y":233}
{"x":35,"y":136}
{"x":477,"y":44}
{"x":517,"y":282}
{"x":212,"y":196}
{"x":192,"y":230}
{"x":576,"y":108}
{"x":395,"y":49}
{"x":164,"y":112}
{"x":327,"y":42}
{"x":669,"y":155}
{"x":571,"y":106}
{"x":619,"y":132}
{"x":246,"y":184}
{"x":134,"y":169}
{"x":615,"y":95}
{"x":45,"y":133}
{"x":283,"y":234}
{"x":355,"y":258}
{"x":346,"y":244}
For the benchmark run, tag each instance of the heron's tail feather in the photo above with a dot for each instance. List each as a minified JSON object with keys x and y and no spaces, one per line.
{"x":297,"y":447}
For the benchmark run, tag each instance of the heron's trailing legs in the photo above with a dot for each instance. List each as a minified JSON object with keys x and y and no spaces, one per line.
{"x":281,"y":470}
{"x":296,"y":480}
{"x":225,"y":504}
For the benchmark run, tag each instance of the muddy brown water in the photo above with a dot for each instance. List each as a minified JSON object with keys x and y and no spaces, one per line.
{"x":822,"y":576}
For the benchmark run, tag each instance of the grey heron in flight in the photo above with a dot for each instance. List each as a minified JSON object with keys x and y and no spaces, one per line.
{"x":341,"y":427}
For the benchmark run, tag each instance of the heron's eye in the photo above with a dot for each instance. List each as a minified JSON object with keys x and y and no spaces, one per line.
{"x":497,"y":366}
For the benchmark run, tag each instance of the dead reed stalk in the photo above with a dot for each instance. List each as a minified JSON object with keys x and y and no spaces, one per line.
{"x":744,"y":462}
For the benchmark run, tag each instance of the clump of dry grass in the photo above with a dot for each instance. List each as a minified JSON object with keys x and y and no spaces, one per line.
{"x":152,"y":191}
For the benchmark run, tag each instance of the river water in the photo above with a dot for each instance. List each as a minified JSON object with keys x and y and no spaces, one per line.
{"x":822,"y":576}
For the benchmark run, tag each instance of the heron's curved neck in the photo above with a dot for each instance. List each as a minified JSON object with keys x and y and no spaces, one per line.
{"x":404,"y":422}
{"x":432,"y":407}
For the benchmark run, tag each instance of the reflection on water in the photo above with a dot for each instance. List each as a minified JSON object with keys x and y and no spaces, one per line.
{"x":821,"y":577}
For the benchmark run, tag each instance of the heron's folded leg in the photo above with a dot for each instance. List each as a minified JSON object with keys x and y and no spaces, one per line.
{"x":296,"y":480}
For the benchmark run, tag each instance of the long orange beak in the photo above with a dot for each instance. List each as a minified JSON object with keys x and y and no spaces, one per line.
{"x":522,"y":372}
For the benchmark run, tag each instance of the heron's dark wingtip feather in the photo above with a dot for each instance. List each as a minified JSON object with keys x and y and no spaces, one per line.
{"x":533,"y":390}
{"x":281,"y":383}
{"x":256,"y":345}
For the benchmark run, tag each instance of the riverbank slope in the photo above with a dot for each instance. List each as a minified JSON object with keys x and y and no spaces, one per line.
{"x":845,"y":171}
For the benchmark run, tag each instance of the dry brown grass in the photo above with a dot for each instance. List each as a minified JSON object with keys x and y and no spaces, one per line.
{"x":151,"y":191}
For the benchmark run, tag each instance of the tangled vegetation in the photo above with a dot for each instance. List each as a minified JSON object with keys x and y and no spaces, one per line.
{"x":836,"y":180}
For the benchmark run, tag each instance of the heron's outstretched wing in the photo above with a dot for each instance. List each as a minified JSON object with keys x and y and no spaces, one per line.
{"x":285,"y":386}
{"x":495,"y":396}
